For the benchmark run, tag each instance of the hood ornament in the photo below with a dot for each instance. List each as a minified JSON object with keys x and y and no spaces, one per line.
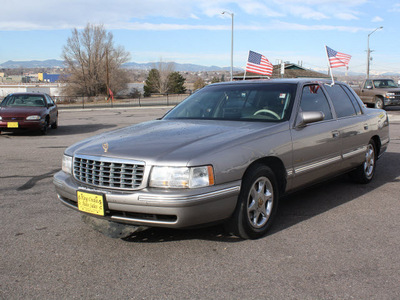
{"x":105,"y":147}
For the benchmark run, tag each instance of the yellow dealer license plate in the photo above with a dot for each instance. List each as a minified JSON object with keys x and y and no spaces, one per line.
{"x":91,"y":203}
{"x":12,"y":124}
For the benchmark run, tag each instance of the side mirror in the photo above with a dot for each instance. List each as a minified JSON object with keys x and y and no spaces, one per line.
{"x":369,"y":87}
{"x":307,"y":117}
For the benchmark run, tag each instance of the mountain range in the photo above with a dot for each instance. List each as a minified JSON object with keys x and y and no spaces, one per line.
{"x":54,"y":63}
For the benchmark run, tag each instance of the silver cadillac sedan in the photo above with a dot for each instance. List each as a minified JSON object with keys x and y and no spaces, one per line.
{"x":225,"y":154}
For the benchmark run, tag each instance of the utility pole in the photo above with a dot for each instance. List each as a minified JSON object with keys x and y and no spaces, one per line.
{"x":107,"y":73}
{"x":231,"y":14}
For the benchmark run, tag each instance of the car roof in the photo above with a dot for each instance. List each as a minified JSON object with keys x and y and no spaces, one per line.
{"x":277,"y":80}
{"x":27,"y":93}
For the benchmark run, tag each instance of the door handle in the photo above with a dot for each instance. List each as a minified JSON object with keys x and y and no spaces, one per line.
{"x":335,"y":134}
{"x":366,"y":126}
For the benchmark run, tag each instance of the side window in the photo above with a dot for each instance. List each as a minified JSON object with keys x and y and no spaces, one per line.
{"x":313,"y":99}
{"x":49,"y":100}
{"x":353,"y":99}
{"x":341,"y":102}
{"x":367,"y":83}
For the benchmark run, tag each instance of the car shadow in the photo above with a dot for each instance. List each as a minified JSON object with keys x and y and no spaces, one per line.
{"x":82,"y":129}
{"x":294,"y":208}
{"x":392,"y":108}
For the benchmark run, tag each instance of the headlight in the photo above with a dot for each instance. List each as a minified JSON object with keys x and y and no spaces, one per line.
{"x":1,"y":118}
{"x":390,"y":95}
{"x":67,"y":164}
{"x":181,"y":177}
{"x":33,"y":118}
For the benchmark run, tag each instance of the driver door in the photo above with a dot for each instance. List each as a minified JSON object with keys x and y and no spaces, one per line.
{"x":316,"y":146}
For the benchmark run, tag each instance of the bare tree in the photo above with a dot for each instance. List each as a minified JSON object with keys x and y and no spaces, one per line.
{"x":94,"y":62}
{"x":164,"y":69}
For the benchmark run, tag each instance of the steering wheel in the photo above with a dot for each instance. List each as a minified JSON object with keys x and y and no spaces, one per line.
{"x":264,"y":110}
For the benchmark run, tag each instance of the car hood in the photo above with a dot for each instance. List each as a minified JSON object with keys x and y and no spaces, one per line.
{"x":166,"y":141}
{"x":23,"y":111}
{"x":390,"y":89}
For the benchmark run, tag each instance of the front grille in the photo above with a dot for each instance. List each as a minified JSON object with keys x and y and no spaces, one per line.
{"x":10,"y":119}
{"x":109,"y":172}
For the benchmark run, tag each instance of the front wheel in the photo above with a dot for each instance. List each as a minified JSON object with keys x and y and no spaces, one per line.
{"x":257,"y":204}
{"x":45,"y":126}
{"x":55,"y":124}
{"x":379,"y":103}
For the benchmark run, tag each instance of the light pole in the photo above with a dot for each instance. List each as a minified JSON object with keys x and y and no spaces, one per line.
{"x":369,"y":51}
{"x":231,"y":14}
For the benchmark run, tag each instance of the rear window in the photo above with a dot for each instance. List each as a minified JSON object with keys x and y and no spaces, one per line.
{"x":341,"y":101}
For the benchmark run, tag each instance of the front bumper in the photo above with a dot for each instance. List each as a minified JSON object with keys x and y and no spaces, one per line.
{"x":22,"y":125}
{"x":391,"y":101}
{"x":177,"y":208}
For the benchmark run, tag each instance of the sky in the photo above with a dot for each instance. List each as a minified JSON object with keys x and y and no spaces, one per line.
{"x":196,"y":32}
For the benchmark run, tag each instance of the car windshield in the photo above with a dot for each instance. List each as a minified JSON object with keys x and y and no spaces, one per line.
{"x":23,"y":100}
{"x":270,"y":102}
{"x":384,"y":84}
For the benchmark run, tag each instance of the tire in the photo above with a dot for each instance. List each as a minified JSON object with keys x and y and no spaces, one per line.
{"x":257,"y":204}
{"x":365,"y":172}
{"x":379,"y":103}
{"x":45,"y":126}
{"x":55,"y":124}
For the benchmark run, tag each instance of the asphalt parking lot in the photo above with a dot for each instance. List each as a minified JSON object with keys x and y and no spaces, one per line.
{"x":336,"y":240}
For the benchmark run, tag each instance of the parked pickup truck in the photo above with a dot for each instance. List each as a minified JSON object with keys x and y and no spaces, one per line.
{"x":379,"y":92}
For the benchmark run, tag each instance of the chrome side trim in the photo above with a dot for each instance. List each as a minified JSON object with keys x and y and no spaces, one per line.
{"x":355,"y":152}
{"x":184,"y":200}
{"x":317,"y":164}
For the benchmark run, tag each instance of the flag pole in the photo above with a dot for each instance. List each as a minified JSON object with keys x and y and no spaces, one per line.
{"x":329,"y":64}
{"x":245,"y":69}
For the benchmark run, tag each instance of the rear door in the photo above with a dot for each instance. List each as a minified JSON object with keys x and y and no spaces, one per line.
{"x":353,"y":126}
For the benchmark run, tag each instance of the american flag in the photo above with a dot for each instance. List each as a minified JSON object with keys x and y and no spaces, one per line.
{"x":337,"y":59}
{"x":258,"y":64}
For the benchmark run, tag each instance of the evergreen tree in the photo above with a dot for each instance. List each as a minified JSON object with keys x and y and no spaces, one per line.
{"x":176,"y":83}
{"x":152,"y":83}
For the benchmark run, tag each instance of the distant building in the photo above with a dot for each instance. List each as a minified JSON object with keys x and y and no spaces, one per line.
{"x":51,"y":89}
{"x":290,"y":71}
{"x":45,"y":77}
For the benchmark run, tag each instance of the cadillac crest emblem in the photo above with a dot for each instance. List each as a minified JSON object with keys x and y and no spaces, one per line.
{"x":105,"y":147}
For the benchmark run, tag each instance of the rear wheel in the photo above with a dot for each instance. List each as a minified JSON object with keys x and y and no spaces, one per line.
{"x":365,"y":172}
{"x":257,"y":204}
